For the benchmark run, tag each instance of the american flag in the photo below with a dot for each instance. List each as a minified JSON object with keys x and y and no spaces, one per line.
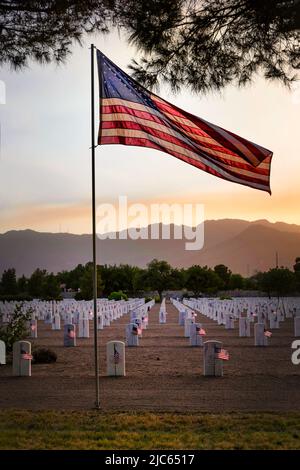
{"x":222,"y":354}
{"x":33,"y":327}
{"x":268,"y":334}
{"x":71,"y":334}
{"x":201,"y":331}
{"x":27,"y":356}
{"x":132,"y":115}
{"x":116,"y":355}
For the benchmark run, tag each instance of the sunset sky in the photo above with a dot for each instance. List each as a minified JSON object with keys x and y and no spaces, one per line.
{"x":45,"y":180}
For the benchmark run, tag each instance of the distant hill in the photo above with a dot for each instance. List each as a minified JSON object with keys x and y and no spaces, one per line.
{"x":242,"y":245}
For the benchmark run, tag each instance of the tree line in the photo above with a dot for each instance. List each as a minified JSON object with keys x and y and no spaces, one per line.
{"x":158,"y":276}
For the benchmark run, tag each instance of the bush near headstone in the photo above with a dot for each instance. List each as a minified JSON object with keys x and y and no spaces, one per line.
{"x":44,"y":356}
{"x":17,"y":327}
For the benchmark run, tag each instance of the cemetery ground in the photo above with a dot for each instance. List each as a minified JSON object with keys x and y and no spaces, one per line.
{"x":164,"y":402}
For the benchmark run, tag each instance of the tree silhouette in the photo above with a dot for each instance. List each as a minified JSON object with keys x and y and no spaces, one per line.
{"x":201,"y":44}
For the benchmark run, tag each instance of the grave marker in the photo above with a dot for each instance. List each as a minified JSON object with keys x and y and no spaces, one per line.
{"x":2,"y":353}
{"x":69,"y":335}
{"x":115,"y":358}
{"x":22,"y":359}
{"x":244,"y":327}
{"x":259,"y":335}
{"x":132,"y":338}
{"x":212,"y":365}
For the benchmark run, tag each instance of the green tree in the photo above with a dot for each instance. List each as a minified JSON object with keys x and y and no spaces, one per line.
{"x":140,"y":282}
{"x":51,"y":287}
{"x":22,"y":285}
{"x":86,"y":283}
{"x":16,"y":329}
{"x":280,"y":281}
{"x":9,"y":282}
{"x":159,"y":276}
{"x":71,"y":278}
{"x":202,"y":280}
{"x":202,"y":44}
{"x":36,"y":283}
{"x":297,"y":272}
{"x":224,"y":274}
{"x":236,"y":281}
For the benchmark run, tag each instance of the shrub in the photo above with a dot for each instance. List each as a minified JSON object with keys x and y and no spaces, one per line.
{"x":44,"y":356}
{"x":117,"y":296}
{"x":16,"y":329}
{"x":225,"y":297}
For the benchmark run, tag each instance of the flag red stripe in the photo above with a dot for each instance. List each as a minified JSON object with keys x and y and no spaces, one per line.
{"x":173,"y":148}
{"x":148,"y":143}
{"x":206,"y":141}
{"x":256,"y":154}
{"x":115,"y":124}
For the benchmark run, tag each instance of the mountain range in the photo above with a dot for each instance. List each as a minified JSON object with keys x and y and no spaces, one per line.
{"x":245,"y":247}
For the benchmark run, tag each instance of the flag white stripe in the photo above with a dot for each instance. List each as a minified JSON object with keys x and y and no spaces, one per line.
{"x":178,"y":149}
{"x":123,"y":117}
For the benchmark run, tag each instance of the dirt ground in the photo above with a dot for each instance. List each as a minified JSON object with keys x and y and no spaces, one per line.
{"x":163,"y":374}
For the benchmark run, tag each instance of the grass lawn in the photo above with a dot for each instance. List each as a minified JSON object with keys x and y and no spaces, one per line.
{"x":96,"y":430}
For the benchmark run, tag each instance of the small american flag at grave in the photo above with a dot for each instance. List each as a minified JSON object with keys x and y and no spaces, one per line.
{"x":201,"y":332}
{"x":268,"y":334}
{"x":27,"y":357}
{"x":33,"y":327}
{"x":71,"y":334}
{"x":222,"y":354}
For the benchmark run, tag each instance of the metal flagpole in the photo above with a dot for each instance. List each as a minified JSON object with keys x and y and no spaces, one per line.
{"x":97,"y":402}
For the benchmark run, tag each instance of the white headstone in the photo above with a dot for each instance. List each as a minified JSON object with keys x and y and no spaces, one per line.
{"x":297,"y":326}
{"x":212,"y":365}
{"x":132,"y":337}
{"x":56,"y":322}
{"x":274,"y":320}
{"x":100,"y":322}
{"x":115,"y":358}
{"x":22,"y":359}
{"x":187,"y":327}
{"x":181,"y":317}
{"x":162,"y":316}
{"x":2,"y":353}
{"x":84,"y":328}
{"x":195,"y":338}
{"x":259,"y":335}
{"x":244,"y":327}
{"x":229,"y":322}
{"x":69,"y":335}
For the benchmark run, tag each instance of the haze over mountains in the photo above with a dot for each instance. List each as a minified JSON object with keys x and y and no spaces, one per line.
{"x":246,"y":247}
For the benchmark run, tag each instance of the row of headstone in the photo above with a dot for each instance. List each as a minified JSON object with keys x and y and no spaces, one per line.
{"x":262,"y":312}
{"x":70,"y":311}
{"x":163,"y":312}
{"x":139,"y":321}
{"x":213,"y":353}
